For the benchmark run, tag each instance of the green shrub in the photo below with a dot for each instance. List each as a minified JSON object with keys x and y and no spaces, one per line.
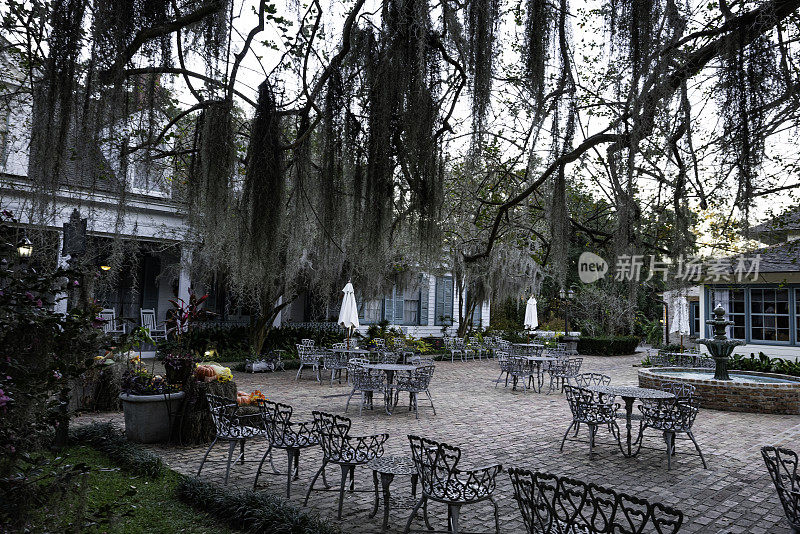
{"x":107,"y":439}
{"x":607,"y":346}
{"x":251,"y":511}
{"x":764,"y":364}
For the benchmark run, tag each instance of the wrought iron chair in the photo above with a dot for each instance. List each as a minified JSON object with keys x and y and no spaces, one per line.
{"x":307,"y":342}
{"x":561,"y":505}
{"x":671,"y":417}
{"x":584,"y":380}
{"x":782,"y":467}
{"x":339,"y":447}
{"x":562,"y":371}
{"x":443,"y":481}
{"x":309,"y":357}
{"x":466,"y":350}
{"x":681,"y":390}
{"x":232,"y":427}
{"x":477,"y":346}
{"x":421,"y":360}
{"x":414,"y":384}
{"x":335,"y":362}
{"x":387,"y":357}
{"x":285,"y":434}
{"x":365,"y":381}
{"x":520,"y":372}
{"x":593,"y":410}
{"x":505,"y":367}
{"x":451,"y":347}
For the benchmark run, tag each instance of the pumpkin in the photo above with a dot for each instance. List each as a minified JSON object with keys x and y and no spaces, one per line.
{"x":242,"y":400}
{"x":205,"y":372}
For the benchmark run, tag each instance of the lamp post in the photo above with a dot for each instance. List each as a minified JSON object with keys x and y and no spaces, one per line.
{"x":566,"y":297}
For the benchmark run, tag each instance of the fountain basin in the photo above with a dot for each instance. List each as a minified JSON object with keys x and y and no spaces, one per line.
{"x":747,"y":391}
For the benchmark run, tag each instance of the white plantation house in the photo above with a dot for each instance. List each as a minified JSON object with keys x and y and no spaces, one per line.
{"x":153,"y":225}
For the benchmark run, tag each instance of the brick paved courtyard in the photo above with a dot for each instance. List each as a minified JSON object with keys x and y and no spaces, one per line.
{"x":499,"y":425}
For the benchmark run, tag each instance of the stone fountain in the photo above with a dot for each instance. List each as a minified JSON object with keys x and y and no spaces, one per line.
{"x":720,"y":347}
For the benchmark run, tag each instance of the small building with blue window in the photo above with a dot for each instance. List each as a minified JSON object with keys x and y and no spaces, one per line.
{"x":764,"y":307}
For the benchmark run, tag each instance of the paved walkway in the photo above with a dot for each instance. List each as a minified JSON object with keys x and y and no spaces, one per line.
{"x":735,"y":495}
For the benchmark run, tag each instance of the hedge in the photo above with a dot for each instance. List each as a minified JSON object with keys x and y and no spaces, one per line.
{"x":107,"y":439}
{"x":607,"y":346}
{"x":251,"y":511}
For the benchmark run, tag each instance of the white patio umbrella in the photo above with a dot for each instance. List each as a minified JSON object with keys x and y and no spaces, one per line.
{"x":680,"y":317}
{"x":348,"y":314}
{"x":531,"y":314}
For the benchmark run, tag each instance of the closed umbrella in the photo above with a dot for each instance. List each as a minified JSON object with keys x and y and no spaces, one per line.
{"x":680,"y":317}
{"x":348,"y":315}
{"x":531,"y":314}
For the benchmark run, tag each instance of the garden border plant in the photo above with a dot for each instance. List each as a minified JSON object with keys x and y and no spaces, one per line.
{"x":251,"y":511}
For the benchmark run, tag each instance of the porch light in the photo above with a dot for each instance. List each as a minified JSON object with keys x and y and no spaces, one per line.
{"x":25,"y":248}
{"x":105,"y":267}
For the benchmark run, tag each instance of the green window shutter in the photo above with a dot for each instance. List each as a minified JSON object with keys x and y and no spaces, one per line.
{"x":438,"y":302}
{"x":423,"y":301}
{"x":447,"y":283}
{"x":399,"y":310}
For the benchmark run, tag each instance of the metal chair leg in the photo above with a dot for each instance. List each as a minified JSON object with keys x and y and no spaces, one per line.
{"x":314,"y":480}
{"x":299,"y":372}
{"x":231,"y":448}
{"x":431,"y":399}
{"x":413,"y":513}
{"x":206,"y":456}
{"x":565,"y":435}
{"x":345,"y":471}
{"x":696,"y":446}
{"x":496,"y":516}
{"x":453,"y":513}
{"x":261,"y":464}
{"x":290,"y":454}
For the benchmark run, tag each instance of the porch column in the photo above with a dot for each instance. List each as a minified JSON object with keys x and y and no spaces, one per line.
{"x":184,"y":280}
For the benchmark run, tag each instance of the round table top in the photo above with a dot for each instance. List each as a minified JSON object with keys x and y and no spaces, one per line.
{"x":393,"y":465}
{"x":391,"y":366}
{"x":632,"y":392}
{"x":527,"y":345}
{"x":353,"y":351}
{"x":539,"y":358}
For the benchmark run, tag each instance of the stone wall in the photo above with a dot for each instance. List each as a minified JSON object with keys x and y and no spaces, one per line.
{"x":780,"y":398}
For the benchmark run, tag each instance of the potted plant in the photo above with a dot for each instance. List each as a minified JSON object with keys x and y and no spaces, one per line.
{"x":180,"y":361}
{"x":149,"y":403}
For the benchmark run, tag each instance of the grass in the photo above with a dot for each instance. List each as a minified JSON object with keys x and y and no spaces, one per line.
{"x":118,"y":502}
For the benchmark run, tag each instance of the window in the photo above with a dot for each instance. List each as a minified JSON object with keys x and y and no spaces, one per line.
{"x":769,"y":315}
{"x":443,"y":310}
{"x":732,"y":301}
{"x":694,"y":319}
{"x":411,"y":310}
{"x":371,"y":312}
{"x":477,"y":315}
{"x":797,"y":316}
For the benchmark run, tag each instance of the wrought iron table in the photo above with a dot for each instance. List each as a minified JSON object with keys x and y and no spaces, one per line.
{"x":525,"y":349}
{"x":388,"y":467}
{"x":539,"y":361}
{"x":390,"y":369}
{"x":629,"y":394}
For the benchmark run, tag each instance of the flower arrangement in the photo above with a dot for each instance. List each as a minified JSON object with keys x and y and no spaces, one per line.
{"x":137,"y":380}
{"x":248,"y":399}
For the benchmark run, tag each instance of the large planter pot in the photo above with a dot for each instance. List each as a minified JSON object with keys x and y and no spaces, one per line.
{"x":148,"y":418}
